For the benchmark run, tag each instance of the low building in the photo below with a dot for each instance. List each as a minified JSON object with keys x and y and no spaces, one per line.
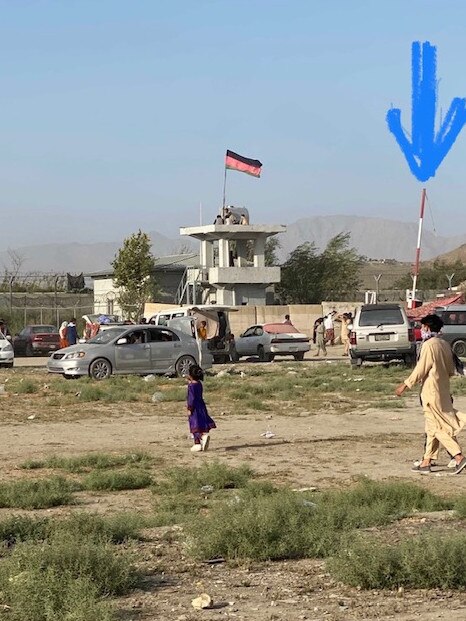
{"x":169,"y":274}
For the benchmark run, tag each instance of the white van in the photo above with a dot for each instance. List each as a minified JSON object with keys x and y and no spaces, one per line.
{"x":219,"y":336}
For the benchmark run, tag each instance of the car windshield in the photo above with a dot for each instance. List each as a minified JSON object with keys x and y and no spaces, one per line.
{"x":381,"y":317}
{"x":107,"y":335}
{"x":44,"y":330}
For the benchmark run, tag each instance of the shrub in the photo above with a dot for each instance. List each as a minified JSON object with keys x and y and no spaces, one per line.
{"x":23,"y":528}
{"x":24,"y":387}
{"x":270,"y":526}
{"x":115,"y":528}
{"x":100,"y":461}
{"x":273,"y":523}
{"x":38,"y":494}
{"x":63,"y":577}
{"x":216,"y":474}
{"x":116,"y":480}
{"x":430,"y":561}
{"x":177,"y":509}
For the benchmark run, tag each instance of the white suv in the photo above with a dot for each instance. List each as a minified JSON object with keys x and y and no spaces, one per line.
{"x":382,"y":332}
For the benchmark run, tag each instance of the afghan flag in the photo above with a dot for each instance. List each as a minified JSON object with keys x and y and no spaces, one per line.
{"x":233,"y":161}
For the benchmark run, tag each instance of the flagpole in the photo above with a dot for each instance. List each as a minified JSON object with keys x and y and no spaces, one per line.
{"x":224,"y":191}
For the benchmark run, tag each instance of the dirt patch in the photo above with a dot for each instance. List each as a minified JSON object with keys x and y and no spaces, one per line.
{"x":321,"y":439}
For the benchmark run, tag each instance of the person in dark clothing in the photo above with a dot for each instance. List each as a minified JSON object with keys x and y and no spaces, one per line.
{"x":72,"y":332}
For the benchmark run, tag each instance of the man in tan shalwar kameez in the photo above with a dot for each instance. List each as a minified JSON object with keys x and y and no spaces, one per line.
{"x":433,"y":371}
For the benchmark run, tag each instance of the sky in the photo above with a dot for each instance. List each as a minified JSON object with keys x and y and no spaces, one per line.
{"x":115,"y":115}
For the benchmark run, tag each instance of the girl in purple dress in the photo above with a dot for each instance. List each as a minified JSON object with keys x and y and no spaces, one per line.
{"x":200,"y":422}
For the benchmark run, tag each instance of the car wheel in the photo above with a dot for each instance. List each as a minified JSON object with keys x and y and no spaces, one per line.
{"x":100,"y":369}
{"x":234,"y":357}
{"x":299,"y":356}
{"x":9,"y":365}
{"x":459,"y":347}
{"x":263,"y":357}
{"x":182,"y":365}
{"x":29,"y":351}
{"x":356,"y":362}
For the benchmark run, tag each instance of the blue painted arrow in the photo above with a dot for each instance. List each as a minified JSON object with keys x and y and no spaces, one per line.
{"x":426,"y":150}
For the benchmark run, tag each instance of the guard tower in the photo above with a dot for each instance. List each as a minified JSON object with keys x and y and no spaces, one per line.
{"x":226,"y":276}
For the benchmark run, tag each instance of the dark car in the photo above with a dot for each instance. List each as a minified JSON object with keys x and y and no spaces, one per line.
{"x":36,"y":340}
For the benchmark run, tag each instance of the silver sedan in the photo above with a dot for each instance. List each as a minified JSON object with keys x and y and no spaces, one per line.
{"x":131,"y":350}
{"x":268,"y":340}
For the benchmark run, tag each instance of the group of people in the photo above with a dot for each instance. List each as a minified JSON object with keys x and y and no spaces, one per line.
{"x":232,"y":216}
{"x":324,"y":331}
{"x":68,"y":333}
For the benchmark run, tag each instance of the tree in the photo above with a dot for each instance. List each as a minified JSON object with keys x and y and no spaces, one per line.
{"x":134,"y":274}
{"x":340,"y":268}
{"x":310,"y":278}
{"x":272,"y":245}
{"x":435,"y":276}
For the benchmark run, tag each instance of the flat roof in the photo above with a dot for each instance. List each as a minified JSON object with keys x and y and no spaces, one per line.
{"x":173,"y":262}
{"x":232,"y":231}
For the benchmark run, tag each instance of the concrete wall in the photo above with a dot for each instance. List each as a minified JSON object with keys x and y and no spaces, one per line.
{"x":242,"y":317}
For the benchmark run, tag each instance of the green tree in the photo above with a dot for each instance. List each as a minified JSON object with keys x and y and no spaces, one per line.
{"x":435,"y":276}
{"x":134,"y":274}
{"x":340,"y":267}
{"x":310,"y":278}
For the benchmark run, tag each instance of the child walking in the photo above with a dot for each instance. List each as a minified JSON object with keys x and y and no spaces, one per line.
{"x":200,"y":422}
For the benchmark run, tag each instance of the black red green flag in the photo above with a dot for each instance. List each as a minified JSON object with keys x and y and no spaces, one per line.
{"x":233,"y":161}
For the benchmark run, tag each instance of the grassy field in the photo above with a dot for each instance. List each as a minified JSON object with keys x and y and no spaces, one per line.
{"x":332,"y":386}
{"x":82,"y":567}
{"x":112,"y":534}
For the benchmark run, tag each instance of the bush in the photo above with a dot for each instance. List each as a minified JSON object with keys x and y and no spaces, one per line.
{"x":427,"y":562}
{"x":460,"y":506}
{"x":177,"y":509}
{"x":23,"y":528}
{"x":218,"y":475}
{"x":63,"y":577}
{"x":267,"y":523}
{"x":270,"y":526}
{"x":39,"y":494}
{"x":88,"y":461}
{"x":116,"y":528}
{"x":113,"y":481}
{"x":23,"y":387}
{"x":45,"y":595}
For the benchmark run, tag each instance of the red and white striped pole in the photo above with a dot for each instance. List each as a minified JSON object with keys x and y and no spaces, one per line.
{"x":418,"y":248}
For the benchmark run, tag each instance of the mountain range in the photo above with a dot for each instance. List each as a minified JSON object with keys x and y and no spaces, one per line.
{"x":375,"y":238}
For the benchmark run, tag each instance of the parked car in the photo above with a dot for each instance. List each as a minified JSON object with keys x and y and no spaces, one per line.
{"x":268,"y":340}
{"x":454,"y":326}
{"x":382,"y":332}
{"x":136,"y":350}
{"x":36,"y":340}
{"x":7,"y":354}
{"x":217,"y":323}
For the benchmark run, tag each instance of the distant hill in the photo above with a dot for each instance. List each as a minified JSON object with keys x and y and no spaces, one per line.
{"x":376,"y":238}
{"x":77,"y":258}
{"x":454,"y":255}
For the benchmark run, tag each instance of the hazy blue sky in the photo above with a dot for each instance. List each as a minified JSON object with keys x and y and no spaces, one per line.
{"x":116,"y":114}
